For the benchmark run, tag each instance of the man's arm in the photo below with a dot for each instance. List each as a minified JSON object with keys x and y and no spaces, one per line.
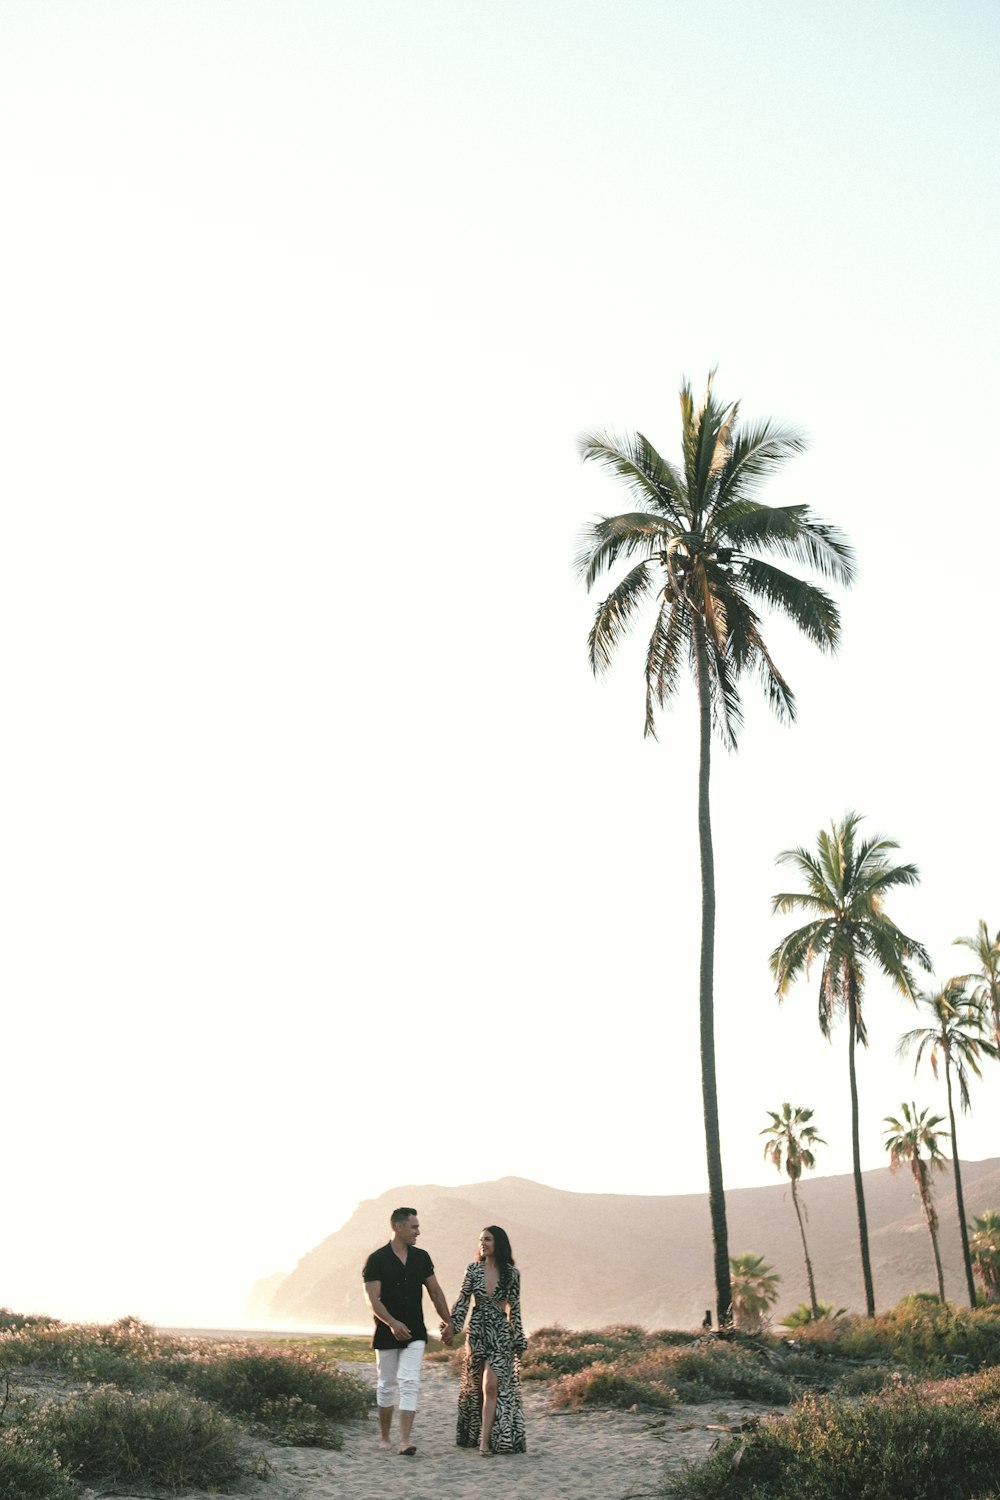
{"x":441,"y":1306}
{"x":373,"y":1296}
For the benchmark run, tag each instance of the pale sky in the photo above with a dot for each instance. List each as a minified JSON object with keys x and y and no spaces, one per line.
{"x":325,"y":865}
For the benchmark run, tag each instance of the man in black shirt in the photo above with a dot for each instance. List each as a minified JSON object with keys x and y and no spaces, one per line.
{"x":395,"y":1277}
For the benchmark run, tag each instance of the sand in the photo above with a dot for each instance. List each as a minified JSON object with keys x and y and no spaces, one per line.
{"x":587,"y":1455}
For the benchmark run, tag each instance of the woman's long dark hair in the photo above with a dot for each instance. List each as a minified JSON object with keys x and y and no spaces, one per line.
{"x":502,"y":1253}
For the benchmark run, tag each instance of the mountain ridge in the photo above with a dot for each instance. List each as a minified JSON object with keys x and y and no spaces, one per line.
{"x":591,"y":1259}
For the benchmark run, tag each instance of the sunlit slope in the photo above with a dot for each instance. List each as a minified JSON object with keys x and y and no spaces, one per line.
{"x":589,"y":1259}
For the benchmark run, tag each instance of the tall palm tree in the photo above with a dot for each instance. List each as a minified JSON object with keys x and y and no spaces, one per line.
{"x":985,"y":1247}
{"x":958,"y":1038}
{"x":702,"y":540}
{"x":987,"y":976}
{"x":755,"y":1289}
{"x":907,"y":1140}
{"x":790,"y":1146}
{"x":846,"y":883}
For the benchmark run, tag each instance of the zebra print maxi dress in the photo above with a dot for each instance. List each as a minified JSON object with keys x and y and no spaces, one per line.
{"x":495,"y":1338}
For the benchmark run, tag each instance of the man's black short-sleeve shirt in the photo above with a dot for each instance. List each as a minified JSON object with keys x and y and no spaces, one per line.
{"x":402,"y":1292}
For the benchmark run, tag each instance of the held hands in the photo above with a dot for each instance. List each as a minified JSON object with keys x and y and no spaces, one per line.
{"x":446,"y":1328}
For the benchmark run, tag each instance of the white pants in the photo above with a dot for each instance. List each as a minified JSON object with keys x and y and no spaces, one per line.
{"x":399,"y":1375}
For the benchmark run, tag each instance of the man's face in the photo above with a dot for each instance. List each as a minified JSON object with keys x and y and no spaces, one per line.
{"x":408,"y":1230}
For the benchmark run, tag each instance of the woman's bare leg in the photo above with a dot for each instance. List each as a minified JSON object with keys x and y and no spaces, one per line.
{"x":489,"y":1407}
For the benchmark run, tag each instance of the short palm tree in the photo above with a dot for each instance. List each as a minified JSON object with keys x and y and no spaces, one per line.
{"x":846,"y":880}
{"x":790,"y":1147}
{"x":985,"y":1246}
{"x":803,"y":1315}
{"x":956,"y":1038}
{"x":755,"y":1290}
{"x":907,"y":1140}
{"x":698,"y":542}
{"x":987,"y":977}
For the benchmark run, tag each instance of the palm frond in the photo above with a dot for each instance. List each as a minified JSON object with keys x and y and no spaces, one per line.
{"x":795,"y":953}
{"x":632,"y":459}
{"x":779,"y":695}
{"x":715,"y":441}
{"x":615,"y":615}
{"x":791,"y":531}
{"x":892,"y":950}
{"x":761,"y":448}
{"x":786,"y":901}
{"x":742,"y":621}
{"x":727,"y":706}
{"x":611,"y":537}
{"x":811,"y":609}
{"x":664,"y":660}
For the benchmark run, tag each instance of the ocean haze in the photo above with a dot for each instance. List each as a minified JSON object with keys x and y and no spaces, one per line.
{"x":591,"y":1259}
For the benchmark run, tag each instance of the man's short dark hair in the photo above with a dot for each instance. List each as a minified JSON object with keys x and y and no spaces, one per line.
{"x":400,"y":1215}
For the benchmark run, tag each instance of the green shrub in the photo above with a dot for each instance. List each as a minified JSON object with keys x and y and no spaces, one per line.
{"x":291,"y":1422}
{"x":357,"y":1348}
{"x":713,"y":1368}
{"x":557,"y":1351}
{"x":610,"y":1385}
{"x":243,"y":1378}
{"x":29,"y":1471}
{"x":125,"y":1353}
{"x":927,"y":1337}
{"x":913,"y":1443}
{"x":10,"y":1319}
{"x":654,"y":1369}
{"x":163,"y":1438}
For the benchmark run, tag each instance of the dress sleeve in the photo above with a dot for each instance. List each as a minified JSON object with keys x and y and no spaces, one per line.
{"x":461,"y":1307}
{"x":514,"y":1312}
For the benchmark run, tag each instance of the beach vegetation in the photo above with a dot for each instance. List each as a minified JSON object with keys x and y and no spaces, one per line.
{"x":789,"y":1147}
{"x":179,"y":1406}
{"x":651,"y":1369}
{"x":29,"y":1470}
{"x":838,"y":1353}
{"x":847,"y":879}
{"x":921,"y":1336}
{"x":909,"y":1442}
{"x":107,"y":1436}
{"x":699,"y":544}
{"x":280,"y":1391}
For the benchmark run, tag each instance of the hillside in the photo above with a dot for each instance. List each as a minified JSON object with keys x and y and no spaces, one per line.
{"x":589,"y":1259}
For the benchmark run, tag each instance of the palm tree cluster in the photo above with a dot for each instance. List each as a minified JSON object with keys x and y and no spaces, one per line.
{"x":701,"y":549}
{"x":846,"y":879}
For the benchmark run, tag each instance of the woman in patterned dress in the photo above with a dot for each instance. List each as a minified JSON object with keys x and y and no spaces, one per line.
{"x":490,"y":1416}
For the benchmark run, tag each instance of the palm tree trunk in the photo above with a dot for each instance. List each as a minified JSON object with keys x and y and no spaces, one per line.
{"x":805,"y":1251}
{"x":937,"y":1261}
{"x":963,"y":1227}
{"x":709,"y":1091}
{"x":930,"y":1214}
{"x":859,"y":1189}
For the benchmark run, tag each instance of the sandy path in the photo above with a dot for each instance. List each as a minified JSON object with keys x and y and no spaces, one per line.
{"x":593,"y":1455}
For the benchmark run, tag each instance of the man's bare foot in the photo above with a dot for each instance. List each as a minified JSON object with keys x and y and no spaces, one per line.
{"x":385,"y":1445}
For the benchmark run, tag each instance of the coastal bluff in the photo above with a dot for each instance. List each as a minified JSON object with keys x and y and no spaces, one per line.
{"x":592,"y":1259}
